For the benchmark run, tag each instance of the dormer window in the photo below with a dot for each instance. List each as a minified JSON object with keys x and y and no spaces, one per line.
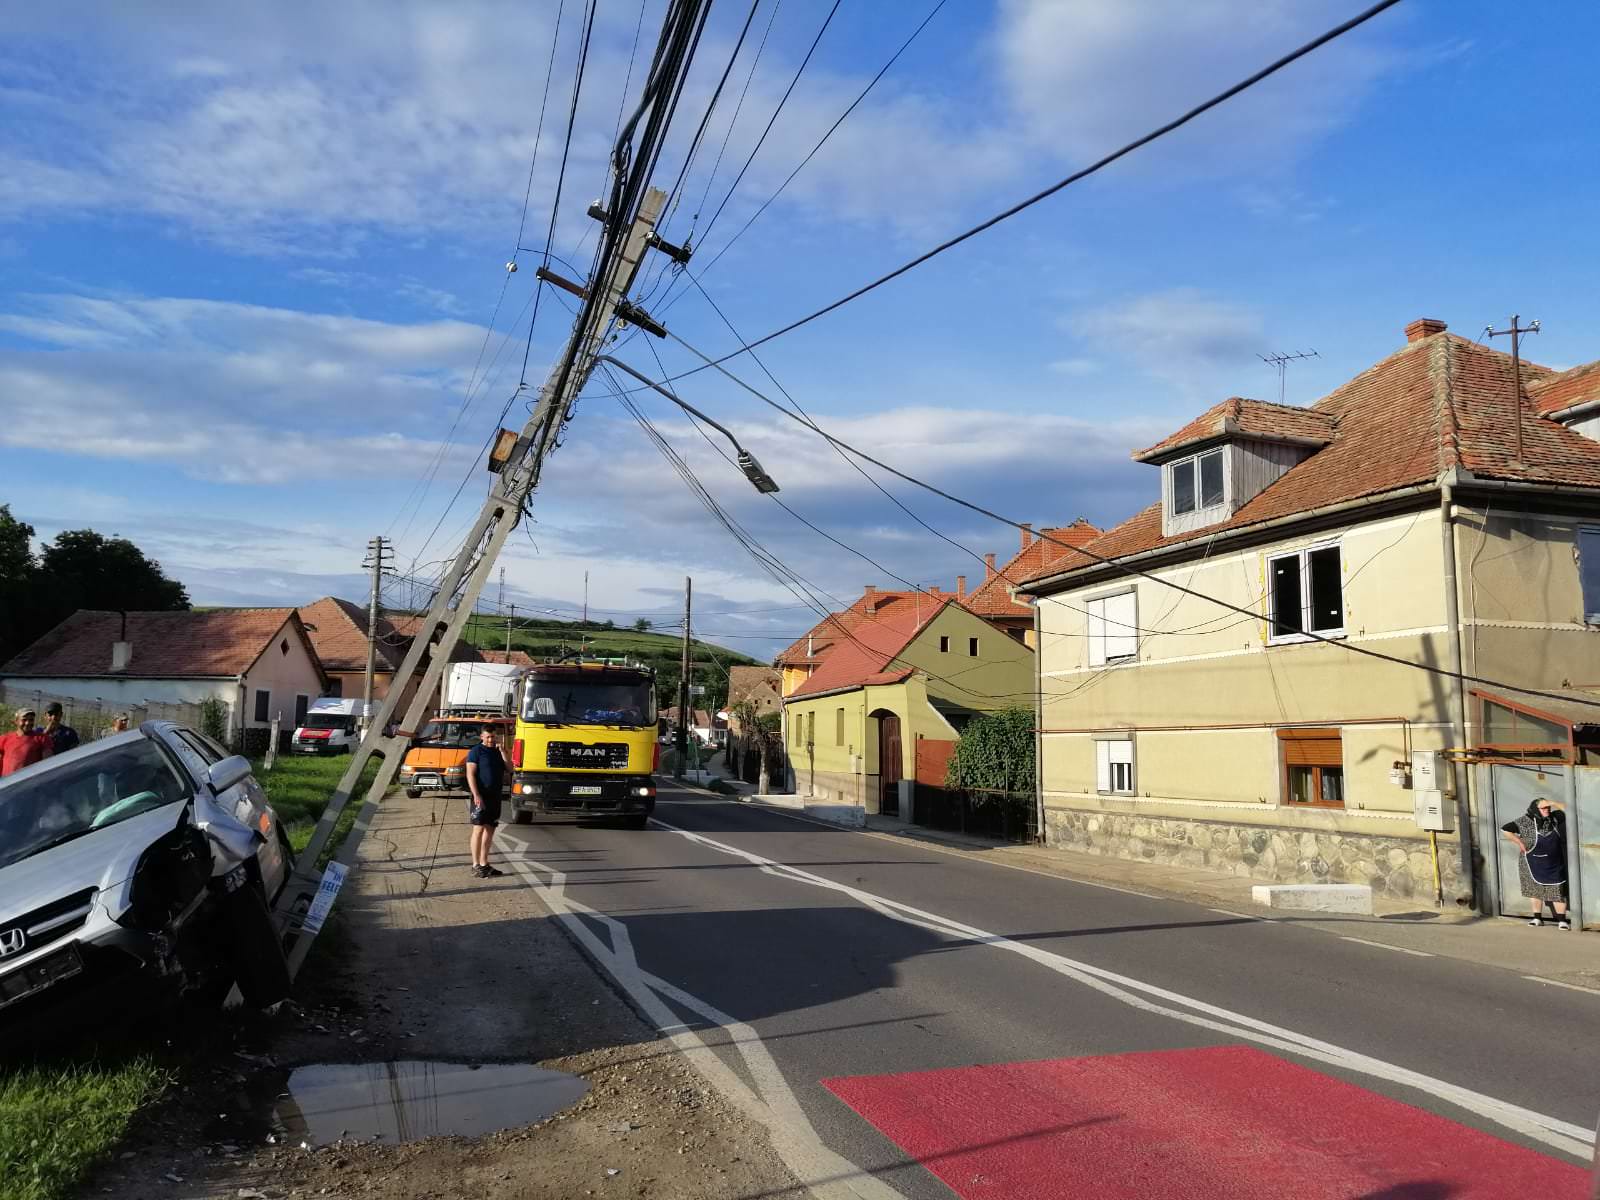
{"x":1197,"y":482}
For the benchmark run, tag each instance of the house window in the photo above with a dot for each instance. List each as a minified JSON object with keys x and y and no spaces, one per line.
{"x":1313,"y":767}
{"x":1197,"y":482}
{"x":838,"y":727}
{"x":263,"y":703}
{"x":1113,"y":628}
{"x":1306,"y":592}
{"x":972,"y":647}
{"x":301,"y":705}
{"x":1589,"y":573}
{"x":1114,"y":767}
{"x":336,"y":686}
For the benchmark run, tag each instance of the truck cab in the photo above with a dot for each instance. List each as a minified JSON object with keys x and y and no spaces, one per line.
{"x":585,"y":743}
{"x":437,"y":759}
{"x":332,"y":726}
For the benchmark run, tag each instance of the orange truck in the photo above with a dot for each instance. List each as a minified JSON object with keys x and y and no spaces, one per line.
{"x":437,"y":760}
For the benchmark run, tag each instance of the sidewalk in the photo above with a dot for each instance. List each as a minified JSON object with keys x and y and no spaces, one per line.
{"x":1569,"y":959}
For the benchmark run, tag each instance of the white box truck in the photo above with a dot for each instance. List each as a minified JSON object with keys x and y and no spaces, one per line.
{"x":483,"y":688}
{"x":332,"y":726}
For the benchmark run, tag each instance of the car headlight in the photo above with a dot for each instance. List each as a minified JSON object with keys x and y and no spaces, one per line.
{"x":408,"y":770}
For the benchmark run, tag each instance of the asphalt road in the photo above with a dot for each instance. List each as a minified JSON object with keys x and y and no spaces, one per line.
{"x":930,"y":1024}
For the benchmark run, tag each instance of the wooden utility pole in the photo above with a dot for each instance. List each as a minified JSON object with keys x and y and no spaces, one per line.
{"x":586,"y":597}
{"x":1515,"y":331}
{"x":511,"y":619}
{"x":377,"y":550}
{"x":683,"y":685}
{"x":464,"y":580}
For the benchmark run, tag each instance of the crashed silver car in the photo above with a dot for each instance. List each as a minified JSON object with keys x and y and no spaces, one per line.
{"x":147,"y":858}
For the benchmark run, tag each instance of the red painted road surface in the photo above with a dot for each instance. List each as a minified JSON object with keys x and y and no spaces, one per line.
{"x":1222,"y":1123}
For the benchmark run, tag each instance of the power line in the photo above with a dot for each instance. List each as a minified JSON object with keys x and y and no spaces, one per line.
{"x":1113,"y":563}
{"x":1093,"y":168}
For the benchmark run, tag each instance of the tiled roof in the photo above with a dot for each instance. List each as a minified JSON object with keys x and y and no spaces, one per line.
{"x":513,"y":658}
{"x":1238,"y":417}
{"x":834,"y":629}
{"x":747,"y":683}
{"x":215,"y":642}
{"x":338,"y":629}
{"x":992,"y":598}
{"x":869,"y":655}
{"x":1562,"y":390}
{"x":1437,"y":403}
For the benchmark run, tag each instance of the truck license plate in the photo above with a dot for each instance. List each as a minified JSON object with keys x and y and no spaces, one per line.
{"x":586,"y":789}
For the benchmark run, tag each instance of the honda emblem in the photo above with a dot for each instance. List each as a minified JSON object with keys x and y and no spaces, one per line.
{"x":11,"y":942}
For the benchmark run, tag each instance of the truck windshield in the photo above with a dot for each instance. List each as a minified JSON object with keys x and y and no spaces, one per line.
{"x":329,"y":721}
{"x":450,"y":733}
{"x":578,"y":701}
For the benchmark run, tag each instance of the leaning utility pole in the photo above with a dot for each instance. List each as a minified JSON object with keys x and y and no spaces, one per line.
{"x":377,"y":549}
{"x":683,"y":685}
{"x":1516,"y":333}
{"x":518,"y":461}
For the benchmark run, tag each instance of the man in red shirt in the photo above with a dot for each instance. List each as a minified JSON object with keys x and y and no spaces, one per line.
{"x":24,"y":747}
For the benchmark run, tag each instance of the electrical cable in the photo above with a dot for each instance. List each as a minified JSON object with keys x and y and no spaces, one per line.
{"x":1093,"y":168}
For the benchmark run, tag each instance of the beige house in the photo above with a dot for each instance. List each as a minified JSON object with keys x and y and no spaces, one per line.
{"x":904,"y":676}
{"x":1238,"y":677}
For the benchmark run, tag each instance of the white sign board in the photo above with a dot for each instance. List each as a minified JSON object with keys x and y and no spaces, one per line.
{"x":332,"y":881}
{"x":697,"y":689}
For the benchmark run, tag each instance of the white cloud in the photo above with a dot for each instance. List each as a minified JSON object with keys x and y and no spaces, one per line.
{"x":1074,"y":366}
{"x":1174,"y":334}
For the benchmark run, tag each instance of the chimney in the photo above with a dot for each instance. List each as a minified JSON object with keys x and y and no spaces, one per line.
{"x":1424,"y":327}
{"x":988,"y":564}
{"x":1027,"y":533}
{"x":870,"y":595}
{"x":961,"y":585}
{"x":121,"y":655}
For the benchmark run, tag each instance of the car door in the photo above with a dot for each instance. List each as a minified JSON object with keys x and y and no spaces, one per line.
{"x":245,"y":802}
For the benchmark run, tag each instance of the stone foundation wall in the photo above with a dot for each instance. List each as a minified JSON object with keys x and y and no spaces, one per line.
{"x":1397,"y":867}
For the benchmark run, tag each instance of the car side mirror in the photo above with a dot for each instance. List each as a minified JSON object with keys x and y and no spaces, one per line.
{"x":223,"y":775}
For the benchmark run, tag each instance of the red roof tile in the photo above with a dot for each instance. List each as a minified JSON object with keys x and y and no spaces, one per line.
{"x":834,"y":629}
{"x":1562,"y":390}
{"x":992,"y":598}
{"x":870,"y":654}
{"x":1437,"y":403}
{"x":750,"y":683}
{"x":338,"y":629}
{"x":207,"y":644}
{"x":514,"y":658}
{"x":1238,"y":417}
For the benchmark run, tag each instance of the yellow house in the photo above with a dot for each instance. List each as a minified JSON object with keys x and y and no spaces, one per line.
{"x":902,"y":674}
{"x":1252,"y":674}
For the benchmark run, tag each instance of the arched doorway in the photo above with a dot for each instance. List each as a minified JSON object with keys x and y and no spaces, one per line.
{"x":890,"y":763}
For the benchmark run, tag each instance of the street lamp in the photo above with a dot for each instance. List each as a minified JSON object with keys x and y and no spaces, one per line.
{"x":747,"y":462}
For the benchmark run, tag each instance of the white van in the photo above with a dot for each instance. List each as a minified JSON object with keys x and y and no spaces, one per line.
{"x":333,"y":726}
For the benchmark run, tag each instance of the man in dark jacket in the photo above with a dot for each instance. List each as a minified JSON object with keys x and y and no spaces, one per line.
{"x":486,"y":780}
{"x":62,"y":737}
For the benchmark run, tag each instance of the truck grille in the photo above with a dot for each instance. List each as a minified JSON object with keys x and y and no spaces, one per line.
{"x":605,"y":756}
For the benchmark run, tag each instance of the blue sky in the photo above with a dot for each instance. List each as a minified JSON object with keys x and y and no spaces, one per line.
{"x":248,"y":261}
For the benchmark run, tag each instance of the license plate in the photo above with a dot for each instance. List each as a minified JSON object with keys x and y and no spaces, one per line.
{"x":587,"y":789}
{"x":428,"y":781}
{"x":36,"y":976}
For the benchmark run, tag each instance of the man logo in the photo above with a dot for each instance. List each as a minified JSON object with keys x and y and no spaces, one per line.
{"x":11,"y":942}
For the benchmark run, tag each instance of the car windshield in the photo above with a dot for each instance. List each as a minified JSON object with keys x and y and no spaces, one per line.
{"x":113,"y":785}
{"x":329,"y":721}
{"x":578,"y":701}
{"x":451,"y":733}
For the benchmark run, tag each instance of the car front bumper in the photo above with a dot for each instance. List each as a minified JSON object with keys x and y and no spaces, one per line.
{"x":559,"y":794}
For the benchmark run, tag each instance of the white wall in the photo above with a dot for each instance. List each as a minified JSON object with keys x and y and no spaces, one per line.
{"x":283,"y":674}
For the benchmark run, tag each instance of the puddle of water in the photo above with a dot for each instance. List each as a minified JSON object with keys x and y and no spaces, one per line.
{"x":408,"y":1100}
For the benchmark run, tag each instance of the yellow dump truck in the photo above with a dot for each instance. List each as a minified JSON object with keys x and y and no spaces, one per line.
{"x":585,"y":743}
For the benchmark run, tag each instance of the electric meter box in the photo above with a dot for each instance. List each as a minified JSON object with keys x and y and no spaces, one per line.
{"x":1429,"y":771}
{"x":1435,"y":810}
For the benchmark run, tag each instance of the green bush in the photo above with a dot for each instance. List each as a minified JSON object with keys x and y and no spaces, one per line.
{"x":995,"y":753}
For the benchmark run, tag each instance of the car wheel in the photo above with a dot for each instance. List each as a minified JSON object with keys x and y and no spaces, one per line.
{"x":522,"y":816}
{"x":414,"y":793}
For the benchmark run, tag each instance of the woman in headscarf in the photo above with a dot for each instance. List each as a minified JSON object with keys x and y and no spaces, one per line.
{"x":1541,"y":835}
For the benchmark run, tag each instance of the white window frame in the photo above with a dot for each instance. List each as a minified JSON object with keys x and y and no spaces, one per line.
{"x":1221,"y":453}
{"x":1306,"y":633}
{"x":1109,"y":641}
{"x":1114,"y":766}
{"x":1593,"y":531}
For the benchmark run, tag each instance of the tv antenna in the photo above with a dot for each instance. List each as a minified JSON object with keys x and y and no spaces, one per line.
{"x":1282,"y":361}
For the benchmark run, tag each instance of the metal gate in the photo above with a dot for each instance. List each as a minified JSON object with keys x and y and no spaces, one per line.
{"x":1512,"y":788}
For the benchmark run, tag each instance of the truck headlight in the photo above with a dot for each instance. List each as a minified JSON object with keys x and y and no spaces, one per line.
{"x":408,"y":770}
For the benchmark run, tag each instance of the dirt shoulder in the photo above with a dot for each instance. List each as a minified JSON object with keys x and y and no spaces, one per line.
{"x":426,"y":962}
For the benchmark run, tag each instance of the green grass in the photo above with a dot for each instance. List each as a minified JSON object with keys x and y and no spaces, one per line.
{"x":55,"y":1122}
{"x":299,"y":787}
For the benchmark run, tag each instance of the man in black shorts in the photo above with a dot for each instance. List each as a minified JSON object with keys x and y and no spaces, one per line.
{"x":486,"y":780}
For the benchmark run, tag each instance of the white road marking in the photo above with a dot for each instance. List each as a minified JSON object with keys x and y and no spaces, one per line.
{"x":1576,"y":1140}
{"x":1576,"y":987}
{"x":1385,"y":946}
{"x":1228,"y":912}
{"x":825,"y":1174}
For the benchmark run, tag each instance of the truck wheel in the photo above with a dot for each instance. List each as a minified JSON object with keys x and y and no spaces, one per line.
{"x":414,"y":793}
{"x":522,"y":816}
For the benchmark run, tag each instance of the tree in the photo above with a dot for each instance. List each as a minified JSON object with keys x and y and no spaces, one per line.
{"x":86,"y":569}
{"x":642,"y":625}
{"x":995,"y":753}
{"x":20,"y":599}
{"x":762,"y":726}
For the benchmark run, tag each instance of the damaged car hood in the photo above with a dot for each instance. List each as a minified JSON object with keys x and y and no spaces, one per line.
{"x":101,"y":859}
